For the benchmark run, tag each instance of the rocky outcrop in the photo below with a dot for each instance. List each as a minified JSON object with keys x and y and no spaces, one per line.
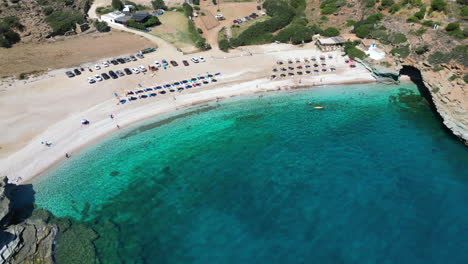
{"x":22,"y":240}
{"x":443,"y":82}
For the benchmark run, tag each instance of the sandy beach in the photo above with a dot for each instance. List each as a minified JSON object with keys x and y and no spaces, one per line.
{"x":50,"y":107}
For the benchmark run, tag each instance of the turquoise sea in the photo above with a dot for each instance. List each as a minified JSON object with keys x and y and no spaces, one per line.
{"x":371,"y":178}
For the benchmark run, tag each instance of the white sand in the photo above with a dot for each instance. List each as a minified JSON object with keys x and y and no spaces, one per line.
{"x":51,"y":107}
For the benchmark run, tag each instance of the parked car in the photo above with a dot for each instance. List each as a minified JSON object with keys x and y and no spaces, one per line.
{"x":97,"y":77}
{"x":90,"y":80}
{"x":105,"y":76}
{"x":259,"y":8}
{"x":142,"y":68}
{"x":195,"y":60}
{"x":201,"y":59}
{"x":121,"y":61}
{"x":185,"y":63}
{"x":127,"y":71}
{"x":97,"y":67}
{"x":76,"y":71}
{"x":105,"y":64}
{"x":174,"y":63}
{"x":135,"y":71}
{"x":114,"y":62}
{"x":262,"y":13}
{"x":164,"y":63}
{"x":139,"y":55}
{"x":113,"y":75}
{"x":133,"y":58}
{"x":70,"y":74}
{"x":120,"y":73}
{"x":127,"y":59}
{"x":157,"y":64}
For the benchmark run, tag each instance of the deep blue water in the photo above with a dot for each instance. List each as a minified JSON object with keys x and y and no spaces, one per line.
{"x":372,"y":178}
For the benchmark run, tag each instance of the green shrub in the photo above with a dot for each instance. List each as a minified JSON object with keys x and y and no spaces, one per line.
{"x":452,"y":27}
{"x":281,"y":15}
{"x":48,"y":10}
{"x":63,"y":21}
{"x":421,"y":50}
{"x":353,"y":52}
{"x":464,"y":11}
{"x":159,"y":4}
{"x":295,"y":33}
{"x":438,"y":5}
{"x":398,"y":38}
{"x":369,"y":3}
{"x":328,"y":10}
{"x":465,"y":78}
{"x":101,"y":26}
{"x":420,"y":14}
{"x":196,"y":8}
{"x":418,"y":32}
{"x":314,"y":29}
{"x":402,"y":52}
{"x":394,"y":8}
{"x":8,"y":37}
{"x":196,"y":2}
{"x":224,"y":45}
{"x":152,"y":21}
{"x":102,"y":10}
{"x":188,"y":10}
{"x":331,"y":32}
{"x":453,"y":77}
{"x":363,"y":31}
{"x":117,"y":4}
{"x":387,"y":3}
{"x":214,"y":2}
{"x":133,"y":24}
{"x":412,"y":19}
{"x":350,"y":23}
{"x":459,"y":54}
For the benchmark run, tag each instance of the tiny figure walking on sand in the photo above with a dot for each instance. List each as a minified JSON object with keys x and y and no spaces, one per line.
{"x":111,"y":116}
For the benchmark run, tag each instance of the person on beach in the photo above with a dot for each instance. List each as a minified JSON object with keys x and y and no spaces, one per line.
{"x":118,"y":127}
{"x":67,"y":156}
{"x":111,"y":116}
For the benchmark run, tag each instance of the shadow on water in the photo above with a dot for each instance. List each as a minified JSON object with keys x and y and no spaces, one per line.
{"x":21,"y":202}
{"x":415,"y":76}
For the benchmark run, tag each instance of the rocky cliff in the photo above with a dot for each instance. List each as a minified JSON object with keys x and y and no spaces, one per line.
{"x":442,"y":77}
{"x":23,"y":239}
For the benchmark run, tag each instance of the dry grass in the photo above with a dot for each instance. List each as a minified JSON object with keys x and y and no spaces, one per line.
{"x":174,"y":29}
{"x":40,"y":57}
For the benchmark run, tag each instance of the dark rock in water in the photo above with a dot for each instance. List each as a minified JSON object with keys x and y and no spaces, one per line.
{"x":23,"y":239}
{"x":114,"y":173}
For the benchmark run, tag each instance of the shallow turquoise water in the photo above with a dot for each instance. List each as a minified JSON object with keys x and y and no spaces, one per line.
{"x":373,"y":178}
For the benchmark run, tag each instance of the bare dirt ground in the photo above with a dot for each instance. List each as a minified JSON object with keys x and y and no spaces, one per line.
{"x":230,"y":10}
{"x":40,"y":57}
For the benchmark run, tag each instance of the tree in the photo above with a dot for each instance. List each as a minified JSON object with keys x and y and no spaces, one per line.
{"x":153,"y":21}
{"x":196,"y":2}
{"x":132,"y":23}
{"x":224,"y":45}
{"x":188,"y":10}
{"x":101,"y":26}
{"x":159,"y":4}
{"x":48,"y":10}
{"x":117,"y":4}
{"x":438,"y":5}
{"x":7,"y":36}
{"x":331,"y":32}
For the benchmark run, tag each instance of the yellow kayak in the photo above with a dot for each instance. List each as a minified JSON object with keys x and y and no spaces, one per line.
{"x":318,"y":107}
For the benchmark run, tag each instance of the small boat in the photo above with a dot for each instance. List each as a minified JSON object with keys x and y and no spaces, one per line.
{"x":318,"y":107}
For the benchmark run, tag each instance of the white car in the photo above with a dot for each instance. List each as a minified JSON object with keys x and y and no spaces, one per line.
{"x":201,"y":59}
{"x":157,"y":64}
{"x":142,"y":68}
{"x":195,"y":60}
{"x":105,"y":63}
{"x":97,"y":77}
{"x":135,"y":71}
{"x":97,"y":67}
{"x":90,"y":80}
{"x":262,"y":13}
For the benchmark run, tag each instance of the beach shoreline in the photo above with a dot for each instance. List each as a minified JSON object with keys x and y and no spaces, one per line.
{"x":59,"y":121}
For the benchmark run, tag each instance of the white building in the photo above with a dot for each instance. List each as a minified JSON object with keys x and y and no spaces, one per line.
{"x":111,"y":17}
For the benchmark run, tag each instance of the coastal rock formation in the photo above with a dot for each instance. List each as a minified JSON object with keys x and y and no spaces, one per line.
{"x":22,"y":240}
{"x":444,"y":81}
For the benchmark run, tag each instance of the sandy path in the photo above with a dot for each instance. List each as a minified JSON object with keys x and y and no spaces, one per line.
{"x":51,"y":107}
